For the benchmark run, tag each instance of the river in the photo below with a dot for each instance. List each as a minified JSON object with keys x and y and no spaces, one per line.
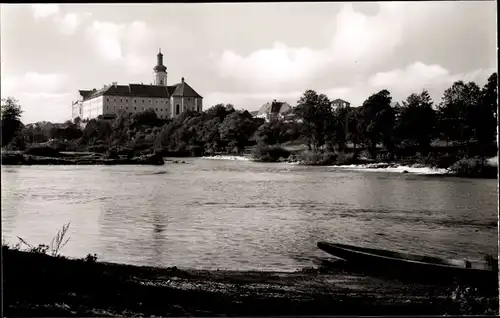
{"x":235,"y":214}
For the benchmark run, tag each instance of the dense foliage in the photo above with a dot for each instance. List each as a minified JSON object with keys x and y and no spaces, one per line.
{"x":465,"y":119}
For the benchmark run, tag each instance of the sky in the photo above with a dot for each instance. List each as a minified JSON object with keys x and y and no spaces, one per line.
{"x":245,"y":54}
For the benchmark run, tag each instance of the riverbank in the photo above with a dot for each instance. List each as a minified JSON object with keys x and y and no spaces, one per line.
{"x":465,"y":168}
{"x":24,"y":158}
{"x":36,"y":284}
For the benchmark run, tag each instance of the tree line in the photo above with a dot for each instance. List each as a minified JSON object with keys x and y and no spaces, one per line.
{"x":464,"y":119}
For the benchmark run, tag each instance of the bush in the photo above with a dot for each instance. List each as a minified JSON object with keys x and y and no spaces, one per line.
{"x":264,"y":153}
{"x":326,"y":158}
{"x":43,"y":151}
{"x":473,"y":168}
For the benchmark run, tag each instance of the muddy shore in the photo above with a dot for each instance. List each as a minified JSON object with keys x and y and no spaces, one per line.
{"x":41,"y":285}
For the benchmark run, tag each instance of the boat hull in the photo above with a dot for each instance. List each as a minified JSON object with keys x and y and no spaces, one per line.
{"x":408,"y":266}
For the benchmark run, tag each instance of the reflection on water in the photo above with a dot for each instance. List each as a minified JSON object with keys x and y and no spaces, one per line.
{"x":244,"y":215}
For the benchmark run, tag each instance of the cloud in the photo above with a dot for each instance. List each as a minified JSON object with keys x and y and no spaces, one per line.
{"x":417,"y":76}
{"x":33,"y":82}
{"x":67,"y":23}
{"x":360,"y":41}
{"x":50,"y":107}
{"x":106,"y":38}
{"x":44,"y":10}
{"x":40,"y":95}
{"x":120,"y":43}
{"x":125,"y":44}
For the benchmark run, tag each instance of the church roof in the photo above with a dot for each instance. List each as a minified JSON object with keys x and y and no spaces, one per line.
{"x":183,"y":89}
{"x":141,"y":90}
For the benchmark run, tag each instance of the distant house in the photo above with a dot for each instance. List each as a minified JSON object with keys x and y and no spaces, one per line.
{"x":340,"y":103}
{"x":395,"y":104}
{"x":254,"y":113}
{"x":274,"y":109}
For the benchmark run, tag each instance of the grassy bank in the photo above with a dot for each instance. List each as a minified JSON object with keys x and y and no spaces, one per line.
{"x":456,"y":164}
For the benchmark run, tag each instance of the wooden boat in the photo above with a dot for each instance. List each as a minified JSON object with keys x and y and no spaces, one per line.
{"x":412,"y":266}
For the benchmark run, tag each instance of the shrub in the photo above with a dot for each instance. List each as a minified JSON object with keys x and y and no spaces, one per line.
{"x":326,"y":158}
{"x":473,"y":168}
{"x":42,"y":150}
{"x":264,"y":153}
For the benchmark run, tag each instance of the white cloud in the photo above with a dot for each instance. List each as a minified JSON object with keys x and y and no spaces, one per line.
{"x":44,"y":10}
{"x":70,"y":22}
{"x":359,"y":41}
{"x":106,"y":39}
{"x":413,"y":78}
{"x":123,"y":44}
{"x":33,"y":82}
{"x":40,"y":95}
{"x":414,"y":75}
{"x":50,"y":107}
{"x":67,"y":23}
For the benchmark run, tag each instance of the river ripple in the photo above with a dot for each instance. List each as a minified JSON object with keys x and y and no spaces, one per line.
{"x":244,"y":215}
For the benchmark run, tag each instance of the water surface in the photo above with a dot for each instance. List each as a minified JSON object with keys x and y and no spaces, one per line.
{"x":244,"y":215}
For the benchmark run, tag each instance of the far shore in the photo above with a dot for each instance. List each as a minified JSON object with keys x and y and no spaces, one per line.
{"x":43,"y":155}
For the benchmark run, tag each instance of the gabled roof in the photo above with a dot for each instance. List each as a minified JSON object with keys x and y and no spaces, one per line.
{"x":338,"y":100}
{"x":141,"y":90}
{"x":274,"y":107}
{"x":254,"y":113}
{"x":395,"y":104}
{"x":183,"y":89}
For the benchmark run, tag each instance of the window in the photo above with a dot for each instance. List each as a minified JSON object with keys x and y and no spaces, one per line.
{"x":143,"y":101}
{"x":135,"y":108}
{"x":121,"y":100}
{"x":134,"y":100}
{"x":150,"y":101}
{"x":107,"y":99}
{"x":114,"y":99}
{"x":126,"y":100}
{"x":177,"y":109}
{"x":156,"y":109}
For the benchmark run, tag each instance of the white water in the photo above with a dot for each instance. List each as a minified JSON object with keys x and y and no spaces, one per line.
{"x":493,"y":161}
{"x":382,"y":167}
{"x":228,"y":158}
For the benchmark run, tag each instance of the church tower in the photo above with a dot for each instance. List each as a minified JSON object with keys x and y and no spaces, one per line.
{"x":160,"y":71}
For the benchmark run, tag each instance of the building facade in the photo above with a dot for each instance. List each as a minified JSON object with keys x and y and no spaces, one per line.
{"x":167,"y":101}
{"x":340,"y":103}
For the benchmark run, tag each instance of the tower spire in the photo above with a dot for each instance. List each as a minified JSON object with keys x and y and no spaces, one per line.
{"x":160,"y":70}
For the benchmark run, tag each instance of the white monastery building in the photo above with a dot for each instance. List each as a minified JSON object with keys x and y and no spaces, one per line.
{"x":167,"y":101}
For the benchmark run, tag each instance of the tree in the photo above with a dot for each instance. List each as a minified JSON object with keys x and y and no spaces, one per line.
{"x":457,"y":113}
{"x":11,"y":110}
{"x":483,"y":117}
{"x":378,"y":121}
{"x":317,"y":118}
{"x":11,"y":120}
{"x":272,"y":132}
{"x":417,"y":121}
{"x":236,"y":130}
